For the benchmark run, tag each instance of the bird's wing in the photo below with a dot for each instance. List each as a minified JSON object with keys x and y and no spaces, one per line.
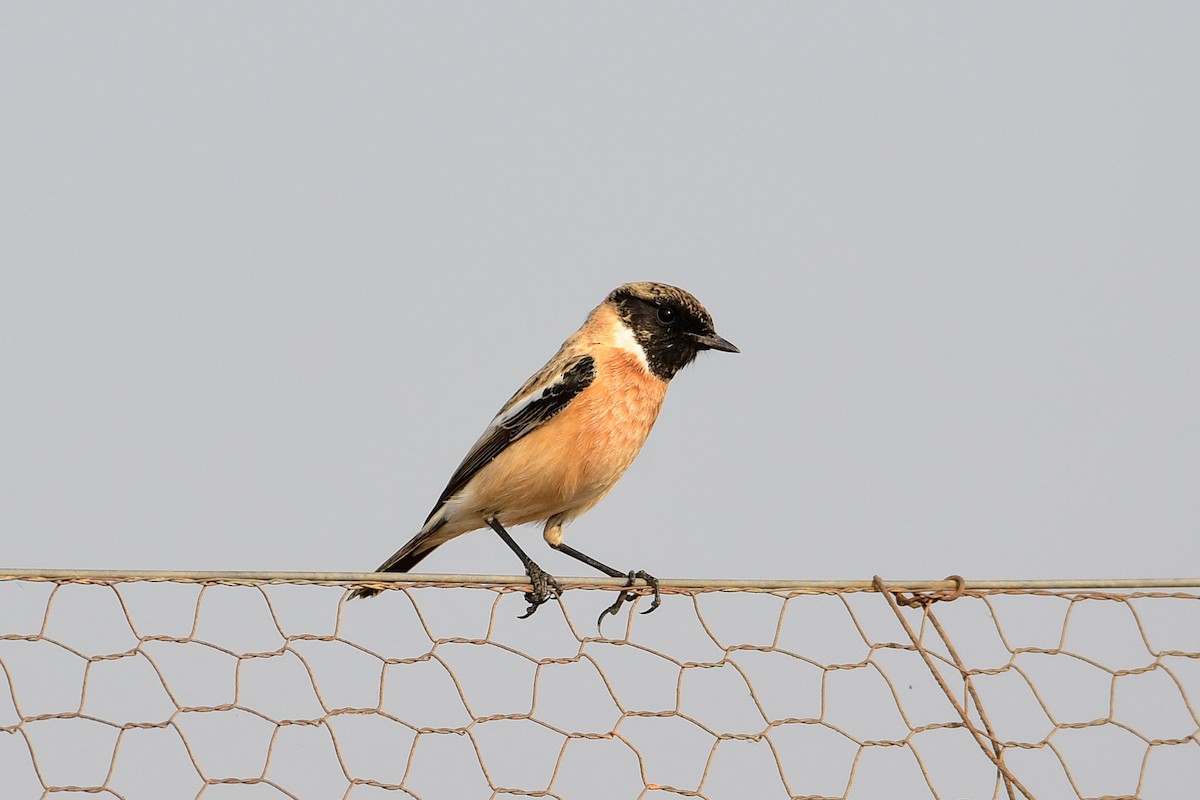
{"x":528,"y":410}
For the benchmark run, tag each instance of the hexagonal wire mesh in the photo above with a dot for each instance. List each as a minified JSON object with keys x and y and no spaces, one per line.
{"x":132,"y":687}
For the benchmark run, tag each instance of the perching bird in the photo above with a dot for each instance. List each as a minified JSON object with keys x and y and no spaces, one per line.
{"x":566,"y":437}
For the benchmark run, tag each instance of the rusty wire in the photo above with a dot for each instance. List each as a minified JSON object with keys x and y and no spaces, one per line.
{"x":206,"y":684}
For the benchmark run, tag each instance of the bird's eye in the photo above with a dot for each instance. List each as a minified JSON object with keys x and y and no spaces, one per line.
{"x":666,"y":315}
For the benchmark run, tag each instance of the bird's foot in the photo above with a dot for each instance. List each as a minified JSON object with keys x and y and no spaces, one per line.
{"x":624,"y":597}
{"x":544,"y":587}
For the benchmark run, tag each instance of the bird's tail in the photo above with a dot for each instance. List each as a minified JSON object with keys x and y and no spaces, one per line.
{"x":407,"y":557}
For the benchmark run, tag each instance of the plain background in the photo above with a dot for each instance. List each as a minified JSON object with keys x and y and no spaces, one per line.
{"x":269,"y":269}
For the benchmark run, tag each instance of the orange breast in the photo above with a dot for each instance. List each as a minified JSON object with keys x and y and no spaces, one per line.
{"x":568,"y":464}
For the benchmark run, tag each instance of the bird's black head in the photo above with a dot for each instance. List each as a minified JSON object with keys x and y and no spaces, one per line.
{"x":669,"y":324}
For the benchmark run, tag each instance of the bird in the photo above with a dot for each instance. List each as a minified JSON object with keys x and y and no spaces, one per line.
{"x":565,"y":438}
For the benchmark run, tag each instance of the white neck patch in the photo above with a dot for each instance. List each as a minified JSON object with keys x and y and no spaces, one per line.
{"x":623,"y":339}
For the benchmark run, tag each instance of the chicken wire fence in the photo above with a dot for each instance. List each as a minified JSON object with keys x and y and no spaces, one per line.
{"x":271,"y":686}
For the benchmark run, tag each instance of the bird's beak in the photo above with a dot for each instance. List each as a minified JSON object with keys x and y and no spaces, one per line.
{"x":710,"y":341}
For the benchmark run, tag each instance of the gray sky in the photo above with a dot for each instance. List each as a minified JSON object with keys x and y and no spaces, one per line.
{"x":269,"y":273}
{"x":269,"y":269}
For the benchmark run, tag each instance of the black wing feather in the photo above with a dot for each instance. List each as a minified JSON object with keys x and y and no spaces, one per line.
{"x":577,"y":376}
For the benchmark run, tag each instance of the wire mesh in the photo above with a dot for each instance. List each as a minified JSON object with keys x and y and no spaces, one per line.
{"x":214,"y":687}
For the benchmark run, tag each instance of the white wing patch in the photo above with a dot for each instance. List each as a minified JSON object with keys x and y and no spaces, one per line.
{"x":520,"y":403}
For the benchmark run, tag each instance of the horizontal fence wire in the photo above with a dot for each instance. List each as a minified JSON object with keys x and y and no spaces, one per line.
{"x":683,"y":585}
{"x":131,"y":684}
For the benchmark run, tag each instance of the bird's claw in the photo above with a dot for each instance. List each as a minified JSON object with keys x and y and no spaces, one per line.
{"x":653,"y":582}
{"x":624,"y":597}
{"x":543,"y":588}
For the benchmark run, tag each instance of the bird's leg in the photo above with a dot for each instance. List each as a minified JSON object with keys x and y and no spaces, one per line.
{"x":629,"y":577}
{"x":543,"y":583}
